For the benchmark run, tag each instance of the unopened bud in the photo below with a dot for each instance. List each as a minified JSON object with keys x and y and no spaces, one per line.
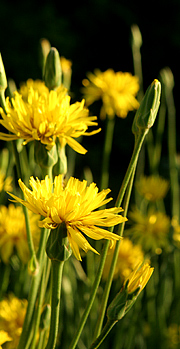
{"x":146,"y":114}
{"x":52,"y":70}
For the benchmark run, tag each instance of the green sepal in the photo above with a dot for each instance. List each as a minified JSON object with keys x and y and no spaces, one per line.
{"x":146,"y":114}
{"x":52,"y":70}
{"x":58,"y":247}
{"x":117,"y":308}
{"x":45,"y":158}
{"x":122,"y":303}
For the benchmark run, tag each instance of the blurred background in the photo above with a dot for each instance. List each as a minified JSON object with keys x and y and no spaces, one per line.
{"x":93,"y":34}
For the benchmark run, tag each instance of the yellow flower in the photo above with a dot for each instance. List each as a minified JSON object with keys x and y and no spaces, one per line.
{"x":117,"y":91}
{"x":139,"y":277}
{"x":128,"y":256}
{"x":5,"y":183}
{"x":150,"y":231}
{"x":13,"y":233}
{"x":66,"y":65}
{"x":152,"y":187}
{"x":43,"y":115}
{"x":76,"y":205}
{"x":12,"y":313}
{"x":4,"y":337}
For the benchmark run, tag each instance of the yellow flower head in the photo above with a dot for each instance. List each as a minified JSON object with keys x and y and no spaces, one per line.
{"x":5,"y":183}
{"x":139,"y":277}
{"x":152,"y":187}
{"x":150,"y":231}
{"x":117,"y":91}
{"x":13,"y":236}
{"x":12,"y":313}
{"x":76,"y":205}
{"x":43,"y":115}
{"x":128,"y":256}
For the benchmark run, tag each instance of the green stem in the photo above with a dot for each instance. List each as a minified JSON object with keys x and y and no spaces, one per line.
{"x":92,"y":296}
{"x":172,"y":152}
{"x":114,"y":261}
{"x":107,"y":328}
{"x":57,"y":268}
{"x":106,"y":153}
{"x":137,"y":147}
{"x":41,"y":256}
{"x":42,"y":290}
{"x":25,"y":210}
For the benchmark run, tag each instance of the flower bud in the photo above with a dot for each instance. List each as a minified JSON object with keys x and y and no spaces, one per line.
{"x":3,"y":80}
{"x":146,"y":114}
{"x":52,"y":70}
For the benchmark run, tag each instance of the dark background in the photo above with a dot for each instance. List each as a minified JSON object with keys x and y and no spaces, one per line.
{"x":93,"y":34}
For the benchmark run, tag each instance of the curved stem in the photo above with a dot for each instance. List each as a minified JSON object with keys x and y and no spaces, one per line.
{"x":57,"y":268}
{"x":92,"y":296}
{"x":114,"y":261}
{"x":107,"y":328}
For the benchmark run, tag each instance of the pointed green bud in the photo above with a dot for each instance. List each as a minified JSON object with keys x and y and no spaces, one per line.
{"x":52,"y":70}
{"x":146,"y":114}
{"x":3,"y":80}
{"x":58,"y":247}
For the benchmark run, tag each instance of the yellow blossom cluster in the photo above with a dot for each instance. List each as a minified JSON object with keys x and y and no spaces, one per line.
{"x":116,"y":90}
{"x":13,"y":238}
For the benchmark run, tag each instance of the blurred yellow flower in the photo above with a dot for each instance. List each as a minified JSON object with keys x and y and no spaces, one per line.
{"x":43,"y":115}
{"x":173,"y":336}
{"x":4,"y":337}
{"x":152,"y":187}
{"x":75,"y":205}
{"x":12,"y":313}
{"x":151,"y":230}
{"x":176,"y":231}
{"x":139,"y":277}
{"x":5,"y":183}
{"x":128,"y":257}
{"x":117,"y":91}
{"x":13,"y":238}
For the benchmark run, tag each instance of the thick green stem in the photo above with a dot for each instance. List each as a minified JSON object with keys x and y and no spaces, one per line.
{"x":106,"y":153}
{"x":107,"y":328}
{"x":57,"y":268}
